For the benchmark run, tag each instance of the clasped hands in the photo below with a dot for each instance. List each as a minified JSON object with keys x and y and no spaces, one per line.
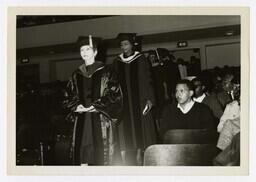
{"x":80,"y":109}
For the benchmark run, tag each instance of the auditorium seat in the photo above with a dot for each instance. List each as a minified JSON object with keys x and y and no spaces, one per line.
{"x":180,"y":155}
{"x":190,"y":136}
{"x":30,"y":139}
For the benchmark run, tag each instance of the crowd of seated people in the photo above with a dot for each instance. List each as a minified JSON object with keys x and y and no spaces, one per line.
{"x":210,"y":101}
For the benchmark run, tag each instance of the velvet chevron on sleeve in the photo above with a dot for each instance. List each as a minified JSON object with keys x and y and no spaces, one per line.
{"x":111,"y":101}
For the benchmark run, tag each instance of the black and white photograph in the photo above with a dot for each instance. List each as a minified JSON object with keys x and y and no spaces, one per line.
{"x":135,"y":90}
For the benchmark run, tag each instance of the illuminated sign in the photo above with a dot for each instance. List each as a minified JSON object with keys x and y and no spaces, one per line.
{"x":182,"y":44}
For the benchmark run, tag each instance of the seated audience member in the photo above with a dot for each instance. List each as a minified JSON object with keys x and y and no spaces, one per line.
{"x":187,"y":114}
{"x":210,"y":100}
{"x":224,"y":96}
{"x":231,"y":112}
{"x":213,"y":82}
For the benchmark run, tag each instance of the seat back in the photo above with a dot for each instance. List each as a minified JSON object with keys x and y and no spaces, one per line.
{"x":180,"y":155}
{"x":190,"y":136}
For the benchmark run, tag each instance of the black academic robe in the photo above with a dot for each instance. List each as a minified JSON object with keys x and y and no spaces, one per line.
{"x":95,"y":136}
{"x":157,"y":74}
{"x":137,"y":130}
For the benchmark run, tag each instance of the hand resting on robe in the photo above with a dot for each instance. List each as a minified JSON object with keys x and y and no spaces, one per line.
{"x":147,"y":107}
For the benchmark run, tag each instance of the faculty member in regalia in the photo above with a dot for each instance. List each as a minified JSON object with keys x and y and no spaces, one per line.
{"x":137,"y":128}
{"x":94,"y":102}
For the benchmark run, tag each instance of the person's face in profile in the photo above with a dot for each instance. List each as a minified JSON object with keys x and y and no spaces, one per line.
{"x":199,"y":88}
{"x":126,"y":47}
{"x":87,"y":53}
{"x":183,"y":94}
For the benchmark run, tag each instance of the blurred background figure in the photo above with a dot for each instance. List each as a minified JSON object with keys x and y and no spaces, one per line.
{"x":182,"y":68}
{"x":194,"y":67}
{"x":171,"y":71}
{"x":210,"y":100}
{"x":159,"y":81}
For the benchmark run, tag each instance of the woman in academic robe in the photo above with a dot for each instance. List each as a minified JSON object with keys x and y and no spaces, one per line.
{"x":94,"y":103}
{"x":138,"y":129}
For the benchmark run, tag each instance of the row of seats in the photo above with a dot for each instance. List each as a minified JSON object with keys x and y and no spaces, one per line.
{"x":194,"y":147}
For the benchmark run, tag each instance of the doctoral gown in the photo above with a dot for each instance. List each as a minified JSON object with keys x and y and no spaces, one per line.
{"x":137,"y":131}
{"x":95,"y":140}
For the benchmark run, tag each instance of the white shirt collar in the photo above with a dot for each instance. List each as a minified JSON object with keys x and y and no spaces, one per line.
{"x":199,"y":99}
{"x":187,"y":108}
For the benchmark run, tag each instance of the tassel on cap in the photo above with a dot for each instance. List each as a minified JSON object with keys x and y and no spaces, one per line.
{"x":90,"y":41}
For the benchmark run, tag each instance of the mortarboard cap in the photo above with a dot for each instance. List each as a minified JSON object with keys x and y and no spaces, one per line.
{"x":151,"y":52}
{"x":88,"y":40}
{"x":162,"y":52}
{"x":127,"y":36}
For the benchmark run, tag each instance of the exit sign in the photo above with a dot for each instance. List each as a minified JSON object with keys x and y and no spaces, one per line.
{"x":182,"y":44}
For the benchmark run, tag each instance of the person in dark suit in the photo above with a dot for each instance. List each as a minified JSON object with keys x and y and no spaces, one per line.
{"x":201,"y":96}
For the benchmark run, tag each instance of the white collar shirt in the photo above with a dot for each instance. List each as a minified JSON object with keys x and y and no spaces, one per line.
{"x":187,"y":107}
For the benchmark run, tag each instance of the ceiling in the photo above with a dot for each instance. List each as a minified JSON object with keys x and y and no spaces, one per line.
{"x":29,"y":21}
{"x":109,"y":27}
{"x":215,"y":32}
